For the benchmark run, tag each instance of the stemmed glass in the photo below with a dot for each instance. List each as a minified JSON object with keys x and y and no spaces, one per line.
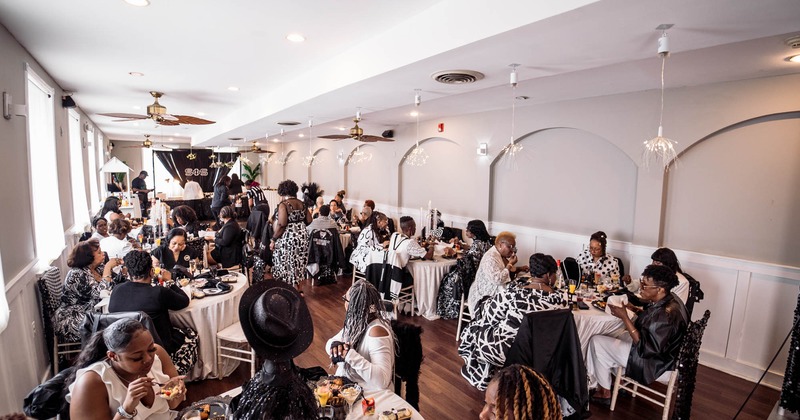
{"x":350,"y":392}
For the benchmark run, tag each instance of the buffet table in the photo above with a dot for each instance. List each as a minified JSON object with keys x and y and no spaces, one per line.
{"x":427,"y":277}
{"x":207,"y":316}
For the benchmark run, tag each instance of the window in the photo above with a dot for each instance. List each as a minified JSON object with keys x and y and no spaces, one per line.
{"x":79,"y":208}
{"x":47,"y":226}
{"x":3,"y":302}
{"x":92,"y":159}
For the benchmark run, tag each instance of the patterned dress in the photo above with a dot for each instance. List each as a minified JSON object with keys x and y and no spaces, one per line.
{"x":606,"y":265}
{"x":291,"y":249}
{"x":81,"y":293}
{"x":487,"y":339}
{"x":459,"y":279}
{"x":367,"y":242}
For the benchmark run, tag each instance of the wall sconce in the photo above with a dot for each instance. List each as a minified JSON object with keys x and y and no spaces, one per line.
{"x":483,"y":149}
{"x":10,"y":109}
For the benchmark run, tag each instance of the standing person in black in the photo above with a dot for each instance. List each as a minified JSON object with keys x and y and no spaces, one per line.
{"x":156,"y":301}
{"x":221,"y":198}
{"x":139,"y":186}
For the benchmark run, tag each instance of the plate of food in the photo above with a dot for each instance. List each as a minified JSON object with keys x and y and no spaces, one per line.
{"x":211,"y":410}
{"x":172,"y":389}
{"x":213,"y":291}
{"x":599,"y":304}
{"x":229,"y":278}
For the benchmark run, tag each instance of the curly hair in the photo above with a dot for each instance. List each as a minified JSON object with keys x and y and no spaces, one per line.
{"x":119,"y":227}
{"x":139,"y":264}
{"x":287,"y":187}
{"x":82,"y":255}
{"x":541,"y":264}
{"x":524,"y":394}
{"x":185,"y":213}
{"x":662,"y":276}
{"x":601,"y":238}
{"x":477,"y":228}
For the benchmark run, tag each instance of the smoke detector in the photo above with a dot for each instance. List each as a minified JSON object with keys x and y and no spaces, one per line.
{"x":457,"y":77}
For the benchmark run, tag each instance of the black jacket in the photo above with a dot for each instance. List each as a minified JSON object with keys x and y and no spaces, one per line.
{"x":661,"y":327}
{"x":228,"y":241}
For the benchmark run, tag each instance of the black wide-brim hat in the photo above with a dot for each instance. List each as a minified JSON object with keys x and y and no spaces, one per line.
{"x":276,"y":320}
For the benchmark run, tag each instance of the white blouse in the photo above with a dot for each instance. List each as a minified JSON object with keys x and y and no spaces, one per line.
{"x":117,"y":390}
{"x":372,"y":360}
{"x":491,"y":278}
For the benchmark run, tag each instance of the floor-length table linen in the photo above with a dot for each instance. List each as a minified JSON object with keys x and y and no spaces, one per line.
{"x":427,"y":277}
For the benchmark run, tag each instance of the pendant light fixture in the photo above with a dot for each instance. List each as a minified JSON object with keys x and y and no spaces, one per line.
{"x":511,"y":150}
{"x":417,"y":156}
{"x":282,"y":158}
{"x":359,"y":156}
{"x":310,"y":160}
{"x":660,"y":150}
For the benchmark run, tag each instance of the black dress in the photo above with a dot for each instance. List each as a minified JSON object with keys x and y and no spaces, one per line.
{"x":228,"y":250}
{"x":156,"y":302}
{"x":167,"y":258}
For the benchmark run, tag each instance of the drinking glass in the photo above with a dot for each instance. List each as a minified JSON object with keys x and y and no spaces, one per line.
{"x":572,"y":285}
{"x":323,"y":393}
{"x":350,"y":392}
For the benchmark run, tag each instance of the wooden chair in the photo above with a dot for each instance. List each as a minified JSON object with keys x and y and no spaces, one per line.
{"x":684,"y":375}
{"x":234,"y":334}
{"x":463,"y":317}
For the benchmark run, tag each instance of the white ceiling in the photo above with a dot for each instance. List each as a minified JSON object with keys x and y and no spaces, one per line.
{"x":373,"y":54}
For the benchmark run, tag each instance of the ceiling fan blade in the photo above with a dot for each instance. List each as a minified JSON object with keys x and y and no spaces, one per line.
{"x":335,"y":136}
{"x":169,"y":117}
{"x":264,"y":151}
{"x":168,"y":122}
{"x":126,"y":120}
{"x":128,"y":117}
{"x":188,"y":119}
{"x":369,"y":138}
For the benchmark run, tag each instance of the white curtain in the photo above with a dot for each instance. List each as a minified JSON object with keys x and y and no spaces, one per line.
{"x":79,"y":207}
{"x":92,"y":159}
{"x":47,"y":225}
{"x":3,"y":302}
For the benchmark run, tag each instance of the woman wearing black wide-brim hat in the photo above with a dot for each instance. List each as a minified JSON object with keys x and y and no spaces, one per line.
{"x":278,"y":326}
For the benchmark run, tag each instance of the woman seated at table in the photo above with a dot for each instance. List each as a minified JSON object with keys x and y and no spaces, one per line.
{"x":595,"y":259}
{"x":117,"y":244}
{"x":495,"y":271}
{"x":363,"y":219}
{"x":87,"y":277}
{"x":667,"y":258}
{"x":370,"y":239}
{"x":457,"y":282}
{"x":118,"y":376}
{"x":173,"y":251}
{"x":368,"y":333}
{"x":336,"y":213}
{"x":100,"y":226}
{"x":110,"y":210}
{"x":487,"y":338}
{"x":519,"y":392}
{"x":228,"y":240}
{"x":651,"y":347}
{"x":139,"y":295}
{"x":184,"y":217}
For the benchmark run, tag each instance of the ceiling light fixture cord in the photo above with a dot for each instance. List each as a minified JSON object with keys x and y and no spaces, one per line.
{"x":511,"y":150}
{"x":661,"y":149}
{"x":417,"y":156}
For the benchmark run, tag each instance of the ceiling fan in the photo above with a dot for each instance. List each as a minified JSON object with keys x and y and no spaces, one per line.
{"x":148,"y":144}
{"x":254,"y":148}
{"x":158,"y":113}
{"x":356,"y":133}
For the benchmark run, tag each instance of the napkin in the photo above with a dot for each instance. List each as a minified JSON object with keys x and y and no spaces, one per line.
{"x":620,"y":300}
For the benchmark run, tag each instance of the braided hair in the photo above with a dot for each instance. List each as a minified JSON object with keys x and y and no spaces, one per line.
{"x":365,"y":306}
{"x":523,"y":393}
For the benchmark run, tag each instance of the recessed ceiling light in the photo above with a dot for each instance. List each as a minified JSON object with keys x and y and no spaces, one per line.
{"x":136,"y":73}
{"x":171,"y":139}
{"x":295,"y":37}
{"x":233,"y":88}
{"x":138,"y":3}
{"x":201,"y":113}
{"x":276,"y":140}
{"x":794,"y":58}
{"x":342,"y":128}
{"x":414,"y":113}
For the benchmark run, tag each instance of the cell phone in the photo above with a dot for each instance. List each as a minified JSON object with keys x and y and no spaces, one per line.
{"x":583,"y":306}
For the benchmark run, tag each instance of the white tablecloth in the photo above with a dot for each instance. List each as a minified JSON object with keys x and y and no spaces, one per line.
{"x":207,"y":316}
{"x":344,"y":238}
{"x":385,"y":400}
{"x":593,"y":322}
{"x":427,"y":277}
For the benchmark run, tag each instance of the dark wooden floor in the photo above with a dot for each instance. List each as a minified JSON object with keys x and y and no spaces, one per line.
{"x":446,"y":395}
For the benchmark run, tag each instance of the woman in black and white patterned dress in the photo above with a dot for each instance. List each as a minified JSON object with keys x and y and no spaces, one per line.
{"x":86,"y":278}
{"x":290,"y":240}
{"x":457,"y":282}
{"x":595,"y":259}
{"x":370,"y":239}
{"x":487,"y":339}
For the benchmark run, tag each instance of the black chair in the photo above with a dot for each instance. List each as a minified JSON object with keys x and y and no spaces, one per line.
{"x":572,"y":270}
{"x":548,"y":342}
{"x":621,"y":271}
{"x":408,"y":361}
{"x":695,"y":293}
{"x":96,"y":321}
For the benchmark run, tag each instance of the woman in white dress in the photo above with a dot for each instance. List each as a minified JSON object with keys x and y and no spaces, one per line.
{"x":118,"y":376}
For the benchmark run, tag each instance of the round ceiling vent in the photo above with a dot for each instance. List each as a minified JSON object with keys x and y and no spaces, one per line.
{"x":457,"y":77}
{"x":793,"y":42}
{"x":289,"y":123}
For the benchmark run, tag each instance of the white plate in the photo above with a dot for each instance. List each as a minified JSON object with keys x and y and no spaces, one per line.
{"x":212,"y":291}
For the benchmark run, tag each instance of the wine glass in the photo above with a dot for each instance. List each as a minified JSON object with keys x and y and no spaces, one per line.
{"x":350,"y":392}
{"x":323,"y":393}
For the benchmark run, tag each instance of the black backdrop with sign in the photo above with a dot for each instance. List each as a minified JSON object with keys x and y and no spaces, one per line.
{"x":182,"y":169}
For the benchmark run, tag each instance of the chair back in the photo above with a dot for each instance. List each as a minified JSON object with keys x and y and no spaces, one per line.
{"x":687,"y":366}
{"x":695,"y":293}
{"x":408,"y":361}
{"x":96,"y":321}
{"x":572,"y":270}
{"x":621,"y":267}
{"x":50,"y":286}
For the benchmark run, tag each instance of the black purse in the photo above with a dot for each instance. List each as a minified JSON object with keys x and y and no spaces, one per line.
{"x":48,"y":400}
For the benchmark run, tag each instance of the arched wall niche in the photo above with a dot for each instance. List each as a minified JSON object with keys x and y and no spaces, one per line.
{"x":565,"y":179}
{"x":294,"y":168}
{"x":736,"y":192}
{"x":366,"y":180}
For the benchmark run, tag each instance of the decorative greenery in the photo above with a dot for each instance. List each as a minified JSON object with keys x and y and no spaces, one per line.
{"x":251,"y":172}
{"x":119,"y":177}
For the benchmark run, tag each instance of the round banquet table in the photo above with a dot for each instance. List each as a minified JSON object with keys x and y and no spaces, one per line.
{"x":385,"y":400}
{"x":427,"y":277}
{"x":344,"y":238}
{"x":207,"y":316}
{"x":591,"y":322}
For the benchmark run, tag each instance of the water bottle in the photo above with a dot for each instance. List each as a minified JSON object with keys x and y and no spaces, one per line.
{"x":559,"y":275}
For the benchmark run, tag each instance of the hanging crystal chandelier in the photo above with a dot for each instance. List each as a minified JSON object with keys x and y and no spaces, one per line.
{"x":359,"y":156}
{"x":659,"y":149}
{"x":417,"y":156}
{"x":512,"y":149}
{"x":310,"y":160}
